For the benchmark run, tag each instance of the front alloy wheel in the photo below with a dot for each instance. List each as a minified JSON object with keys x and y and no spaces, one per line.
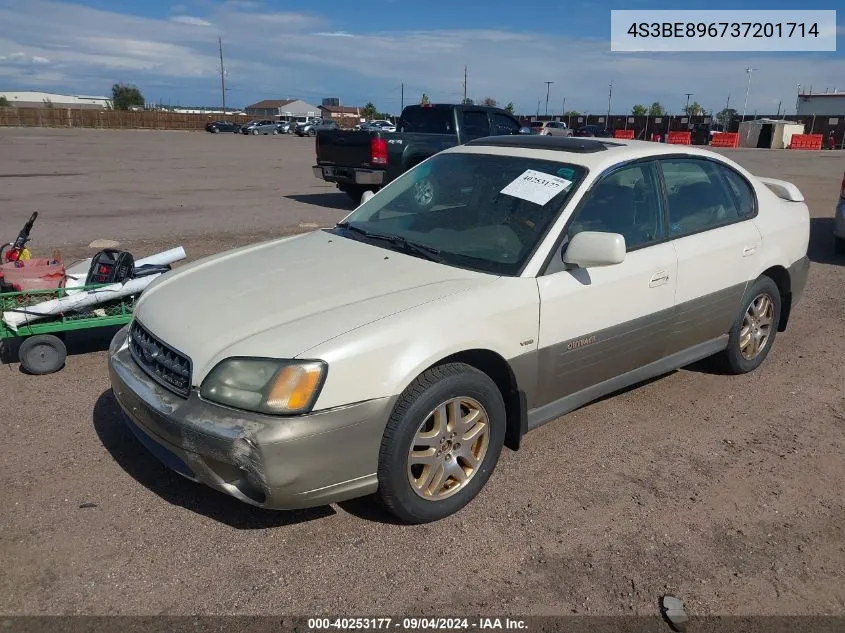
{"x":448,"y":447}
{"x":441,"y":443}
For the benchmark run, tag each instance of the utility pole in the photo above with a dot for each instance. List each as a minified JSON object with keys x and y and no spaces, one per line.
{"x":797,"y":99}
{"x":222,"y":75}
{"x":465,"y":84}
{"x":548,"y":85}
{"x":538,"y":108}
{"x":748,"y":71}
{"x":779,"y":103}
{"x":609,"y":97}
{"x":688,"y":94}
{"x":403,"y":96}
{"x":563,"y":108}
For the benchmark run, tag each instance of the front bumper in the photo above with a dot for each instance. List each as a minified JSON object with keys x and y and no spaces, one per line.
{"x":349,"y":175}
{"x":839,"y":220}
{"x":280,"y":463}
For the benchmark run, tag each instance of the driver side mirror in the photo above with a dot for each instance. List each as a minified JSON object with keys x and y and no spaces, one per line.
{"x":589,"y":249}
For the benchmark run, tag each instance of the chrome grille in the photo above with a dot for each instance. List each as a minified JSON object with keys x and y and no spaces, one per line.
{"x":161,"y":362}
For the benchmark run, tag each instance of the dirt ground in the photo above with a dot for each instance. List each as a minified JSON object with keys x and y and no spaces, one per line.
{"x":725,"y":491}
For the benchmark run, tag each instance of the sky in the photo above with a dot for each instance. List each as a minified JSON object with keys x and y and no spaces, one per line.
{"x":364,"y":51}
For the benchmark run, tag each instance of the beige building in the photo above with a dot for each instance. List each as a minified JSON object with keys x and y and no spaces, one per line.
{"x":51,"y":99}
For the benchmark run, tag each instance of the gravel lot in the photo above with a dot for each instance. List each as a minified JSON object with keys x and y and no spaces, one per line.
{"x":725,"y":491}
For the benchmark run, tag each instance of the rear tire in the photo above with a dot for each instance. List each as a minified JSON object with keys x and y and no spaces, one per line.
{"x":753,"y":333}
{"x":839,"y":245}
{"x":42,"y":354}
{"x":355,"y":193}
{"x":441,"y":444}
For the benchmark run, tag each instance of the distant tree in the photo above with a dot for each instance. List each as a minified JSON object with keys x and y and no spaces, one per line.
{"x":124,"y":96}
{"x":639,"y":110}
{"x":572,"y":113}
{"x":4,"y":102}
{"x":725,"y":117}
{"x":467,"y":101}
{"x":424,"y":99}
{"x":694,"y":109}
{"x":369,"y":111}
{"x":656,"y":109}
{"x":48,"y":104}
{"x":510,"y":107}
{"x":489,"y":102}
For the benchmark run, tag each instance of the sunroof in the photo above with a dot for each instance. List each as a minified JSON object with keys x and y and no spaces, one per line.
{"x":559,"y":143}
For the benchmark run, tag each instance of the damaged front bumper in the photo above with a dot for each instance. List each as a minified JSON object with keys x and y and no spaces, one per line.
{"x":266,"y":461}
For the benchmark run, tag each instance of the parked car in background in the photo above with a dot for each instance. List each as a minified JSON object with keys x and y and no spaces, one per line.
{"x":263,"y":126}
{"x":414,"y":341}
{"x":369,"y":158}
{"x":554,"y":128}
{"x":284,"y":127}
{"x":215,"y":127}
{"x":839,"y":221}
{"x":536,"y":126}
{"x":387,"y":126}
{"x":593,"y":131}
{"x":311,"y":129}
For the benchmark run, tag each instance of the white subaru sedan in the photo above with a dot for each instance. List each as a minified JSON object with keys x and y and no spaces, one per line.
{"x":397,"y":352}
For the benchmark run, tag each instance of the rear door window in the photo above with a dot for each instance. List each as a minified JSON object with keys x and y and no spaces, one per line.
{"x":427,"y":120}
{"x":475,"y":124}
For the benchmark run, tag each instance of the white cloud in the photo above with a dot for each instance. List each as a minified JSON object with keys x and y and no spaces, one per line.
{"x":334,"y":34}
{"x":187,"y":19}
{"x":278,"y":56}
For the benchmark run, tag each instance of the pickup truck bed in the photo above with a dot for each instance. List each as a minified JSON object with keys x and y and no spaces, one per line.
{"x":361,"y":160}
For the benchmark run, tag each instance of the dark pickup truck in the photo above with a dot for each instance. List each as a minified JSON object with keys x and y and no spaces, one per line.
{"x":361,"y":160}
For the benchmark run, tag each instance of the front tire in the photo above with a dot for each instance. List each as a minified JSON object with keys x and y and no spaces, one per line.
{"x":441,"y":444}
{"x":753,"y":333}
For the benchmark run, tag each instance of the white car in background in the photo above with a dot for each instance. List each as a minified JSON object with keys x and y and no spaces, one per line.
{"x":398,"y":352}
{"x":554,"y":128}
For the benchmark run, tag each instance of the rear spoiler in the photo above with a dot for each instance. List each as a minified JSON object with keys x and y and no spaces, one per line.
{"x":783,"y":189}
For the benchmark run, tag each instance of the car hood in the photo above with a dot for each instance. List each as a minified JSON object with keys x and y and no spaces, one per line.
{"x":281,"y":298}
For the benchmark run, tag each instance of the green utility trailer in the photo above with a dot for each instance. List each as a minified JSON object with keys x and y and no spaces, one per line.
{"x":42,"y":348}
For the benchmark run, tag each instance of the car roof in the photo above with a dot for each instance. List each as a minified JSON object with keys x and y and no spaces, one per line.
{"x":596,"y":154}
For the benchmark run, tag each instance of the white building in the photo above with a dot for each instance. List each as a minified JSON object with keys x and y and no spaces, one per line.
{"x":41,"y":99}
{"x":822,"y":104}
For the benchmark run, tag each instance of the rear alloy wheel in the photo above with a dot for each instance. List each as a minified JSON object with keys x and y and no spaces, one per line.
{"x":441,"y":443}
{"x":42,"y":354}
{"x":312,"y":132}
{"x":753,"y":333}
{"x":255,"y":132}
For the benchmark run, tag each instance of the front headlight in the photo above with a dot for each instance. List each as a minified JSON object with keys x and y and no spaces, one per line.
{"x":265,"y":385}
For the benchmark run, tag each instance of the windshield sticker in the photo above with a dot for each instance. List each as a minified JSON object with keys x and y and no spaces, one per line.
{"x":536,"y":187}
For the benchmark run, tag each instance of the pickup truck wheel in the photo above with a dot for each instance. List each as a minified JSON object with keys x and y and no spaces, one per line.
{"x":355,"y":193}
{"x":753,"y":333}
{"x":441,"y":443}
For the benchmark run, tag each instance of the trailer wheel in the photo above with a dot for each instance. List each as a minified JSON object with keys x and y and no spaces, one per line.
{"x":42,"y":354}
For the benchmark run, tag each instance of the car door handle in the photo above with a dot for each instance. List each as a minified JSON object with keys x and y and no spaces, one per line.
{"x":749,"y":250}
{"x":658,"y":279}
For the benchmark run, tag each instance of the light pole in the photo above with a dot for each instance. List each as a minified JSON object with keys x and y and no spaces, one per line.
{"x":688,"y":94}
{"x":609,"y":97}
{"x":748,"y":71}
{"x":548,"y":84}
{"x":797,"y":99}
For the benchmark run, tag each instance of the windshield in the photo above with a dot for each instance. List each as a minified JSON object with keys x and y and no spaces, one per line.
{"x":478,"y":211}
